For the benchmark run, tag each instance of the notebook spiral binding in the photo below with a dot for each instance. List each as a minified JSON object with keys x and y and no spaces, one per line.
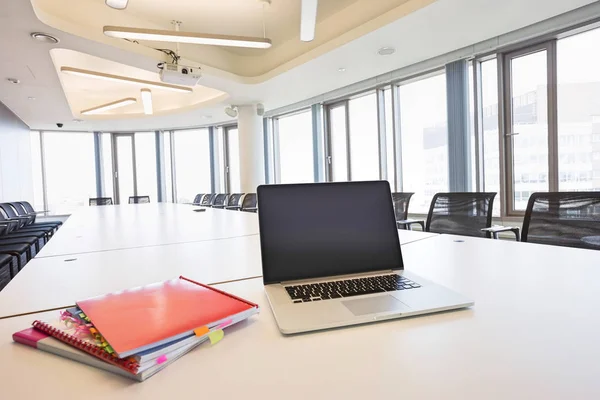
{"x":127,"y":363}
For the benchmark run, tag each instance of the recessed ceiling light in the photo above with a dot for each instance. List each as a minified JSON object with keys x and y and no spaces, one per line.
{"x":31,"y":98}
{"x":157,"y":35}
{"x":207,"y":116}
{"x":123,"y":79}
{"x":117,"y":4}
{"x":14,"y":81}
{"x":44,"y":37}
{"x":342,"y":69}
{"x":78,"y":121}
{"x":109,"y":106}
{"x":386,"y":51}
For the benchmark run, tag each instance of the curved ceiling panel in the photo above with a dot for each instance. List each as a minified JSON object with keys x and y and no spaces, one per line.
{"x":338,"y":22}
{"x":85,"y":92}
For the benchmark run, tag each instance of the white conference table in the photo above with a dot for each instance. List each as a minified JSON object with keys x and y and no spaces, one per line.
{"x":532,"y":334}
{"x":94,"y":229}
{"x":53,"y":282}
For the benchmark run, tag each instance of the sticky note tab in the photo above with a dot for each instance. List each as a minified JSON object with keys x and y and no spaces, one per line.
{"x":224,"y":324}
{"x":201,"y":331}
{"x":161,"y":359}
{"x":216,"y":336}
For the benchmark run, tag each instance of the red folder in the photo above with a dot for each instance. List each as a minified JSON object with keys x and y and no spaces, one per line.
{"x":141,"y":318}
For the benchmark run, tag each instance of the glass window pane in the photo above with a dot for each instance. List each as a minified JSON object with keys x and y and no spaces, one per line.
{"x":70,"y":170}
{"x":339,"y":149}
{"x":36,"y":170}
{"x":125,"y":173}
{"x":579,"y":112}
{"x":145,"y":160}
{"x":530,"y":123}
{"x":424,"y":140}
{"x":389,"y":137}
{"x":491,"y":150}
{"x":234,"y":160}
{"x":364,"y":138}
{"x":168,"y":167}
{"x":107,"y":166}
{"x":296,"y":148}
{"x":192,"y":164}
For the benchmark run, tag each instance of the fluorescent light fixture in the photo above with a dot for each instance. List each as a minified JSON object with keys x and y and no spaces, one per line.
{"x":157,"y":35}
{"x":117,"y":4}
{"x":109,"y":106}
{"x":123,"y":79}
{"x":147,"y":101}
{"x":308,"y":20}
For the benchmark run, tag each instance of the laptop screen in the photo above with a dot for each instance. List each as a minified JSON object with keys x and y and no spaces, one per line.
{"x":326,"y":229}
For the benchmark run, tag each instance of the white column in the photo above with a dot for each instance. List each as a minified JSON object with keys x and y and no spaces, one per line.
{"x":251,"y":139}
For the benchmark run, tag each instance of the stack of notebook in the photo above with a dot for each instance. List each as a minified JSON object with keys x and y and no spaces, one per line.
{"x":138,"y":332}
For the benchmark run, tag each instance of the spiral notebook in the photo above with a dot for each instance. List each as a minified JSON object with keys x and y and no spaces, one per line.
{"x":139,"y":319}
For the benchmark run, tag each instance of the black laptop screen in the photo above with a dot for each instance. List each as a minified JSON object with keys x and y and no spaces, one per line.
{"x":326,"y":229}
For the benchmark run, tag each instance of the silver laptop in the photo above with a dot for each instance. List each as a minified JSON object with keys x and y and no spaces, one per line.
{"x":331,"y":257}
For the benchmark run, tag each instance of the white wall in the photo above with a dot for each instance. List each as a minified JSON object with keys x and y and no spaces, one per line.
{"x":16,"y":180}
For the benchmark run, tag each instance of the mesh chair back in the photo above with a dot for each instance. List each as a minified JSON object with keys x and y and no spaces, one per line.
{"x":8,"y":210}
{"x":569,"y":219}
{"x":208,"y":199}
{"x":220,"y":200}
{"x":234,"y":199}
{"x":461,"y":213}
{"x":27,"y":206}
{"x":198,"y":198}
{"x":401,"y":201}
{"x":249,"y":202}
{"x":139,"y":200}
{"x":101,"y":201}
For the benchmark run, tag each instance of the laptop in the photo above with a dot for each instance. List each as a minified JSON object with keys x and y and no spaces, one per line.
{"x":331,"y":257}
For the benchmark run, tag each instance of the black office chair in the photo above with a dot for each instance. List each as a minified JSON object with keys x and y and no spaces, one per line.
{"x":31,"y":211}
{"x":401,"y":202}
{"x":234,"y":201}
{"x":101,"y":201}
{"x":139,"y":199}
{"x":463,"y":213}
{"x":198,"y":199}
{"x":249,"y":203}
{"x":22,"y":212}
{"x":570,"y":219}
{"x":220,"y":201}
{"x":21,"y":251}
{"x":208,"y":199}
{"x":7,"y":269}
{"x":8,"y":214}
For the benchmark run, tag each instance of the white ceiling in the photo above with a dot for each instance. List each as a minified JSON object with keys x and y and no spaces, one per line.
{"x":442,"y":27}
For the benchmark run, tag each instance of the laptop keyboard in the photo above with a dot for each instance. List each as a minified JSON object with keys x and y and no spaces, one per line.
{"x":349,"y":288}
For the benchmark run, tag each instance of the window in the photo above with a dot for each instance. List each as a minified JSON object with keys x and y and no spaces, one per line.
{"x":36,"y":170}
{"x":424,"y":140}
{"x":389,"y":137}
{"x":233,"y":157}
{"x":489,"y":123}
{"x":295,"y":139}
{"x":578,"y":82}
{"x":70,"y":170}
{"x":168,"y":167}
{"x":528,"y":115}
{"x":107,"y":166}
{"x":192,"y":164}
{"x":364,"y":138}
{"x":338,"y":143}
{"x":145,"y":160}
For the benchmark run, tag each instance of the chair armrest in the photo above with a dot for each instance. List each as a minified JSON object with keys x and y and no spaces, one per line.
{"x":408,"y":223}
{"x":250,"y":209}
{"x":495,"y":230}
{"x":232,"y":207}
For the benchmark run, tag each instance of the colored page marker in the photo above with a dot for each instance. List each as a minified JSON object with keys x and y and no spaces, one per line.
{"x":201,"y":331}
{"x":224,"y":324}
{"x":161,"y":359}
{"x":216,"y":336}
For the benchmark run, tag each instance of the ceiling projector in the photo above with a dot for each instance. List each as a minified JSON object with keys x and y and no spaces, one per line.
{"x":176,"y":74}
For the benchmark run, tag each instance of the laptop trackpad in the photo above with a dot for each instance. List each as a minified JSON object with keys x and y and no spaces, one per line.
{"x":374,"y":305}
